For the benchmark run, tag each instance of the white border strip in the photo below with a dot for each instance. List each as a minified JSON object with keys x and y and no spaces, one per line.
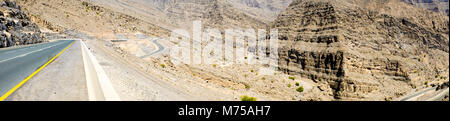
{"x":99,"y":85}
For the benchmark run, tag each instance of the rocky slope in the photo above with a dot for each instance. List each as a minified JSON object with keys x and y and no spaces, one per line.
{"x":362,"y":49}
{"x":15,"y":26}
{"x":84,"y":16}
{"x":152,"y":17}
{"x":213,"y":14}
{"x":264,"y":10}
{"x":174,"y":14}
{"x":433,"y":5}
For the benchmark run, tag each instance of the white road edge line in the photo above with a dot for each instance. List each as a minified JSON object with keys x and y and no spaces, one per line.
{"x":98,"y":84}
{"x":23,"y":55}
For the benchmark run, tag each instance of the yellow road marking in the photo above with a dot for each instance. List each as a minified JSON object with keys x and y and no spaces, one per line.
{"x":34,"y":73}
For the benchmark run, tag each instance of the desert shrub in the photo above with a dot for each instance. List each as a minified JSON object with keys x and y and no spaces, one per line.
{"x":387,"y":99}
{"x":84,"y":3}
{"x":247,"y":98}
{"x":300,"y":89}
{"x":247,"y":86}
{"x":291,"y":77}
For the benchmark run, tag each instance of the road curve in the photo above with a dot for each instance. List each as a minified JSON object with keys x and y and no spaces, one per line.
{"x":417,"y":94}
{"x":160,"y":48}
{"x":16,"y":64}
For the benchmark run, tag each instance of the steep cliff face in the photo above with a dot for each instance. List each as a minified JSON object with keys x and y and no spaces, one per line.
{"x":358,"y":53}
{"x":15,"y":26}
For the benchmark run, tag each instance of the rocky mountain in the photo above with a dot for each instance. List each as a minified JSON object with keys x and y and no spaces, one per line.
{"x":265,"y":10}
{"x":362,"y":49}
{"x":149,"y":16}
{"x":434,"y":5}
{"x":80,"y":15}
{"x":15,"y":26}
{"x":214,"y":13}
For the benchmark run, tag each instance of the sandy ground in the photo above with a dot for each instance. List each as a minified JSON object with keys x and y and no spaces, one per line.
{"x":62,"y":80}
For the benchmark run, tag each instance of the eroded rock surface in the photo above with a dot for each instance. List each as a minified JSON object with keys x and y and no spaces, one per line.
{"x":359,"y":52}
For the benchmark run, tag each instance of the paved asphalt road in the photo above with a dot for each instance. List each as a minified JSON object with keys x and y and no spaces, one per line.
{"x":160,"y":48}
{"x":16,"y":64}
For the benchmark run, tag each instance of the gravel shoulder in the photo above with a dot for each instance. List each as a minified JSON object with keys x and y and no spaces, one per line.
{"x":62,"y":80}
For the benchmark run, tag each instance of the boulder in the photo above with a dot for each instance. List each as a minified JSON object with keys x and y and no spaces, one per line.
{"x":3,"y":40}
{"x":2,"y":27}
{"x":11,"y":4}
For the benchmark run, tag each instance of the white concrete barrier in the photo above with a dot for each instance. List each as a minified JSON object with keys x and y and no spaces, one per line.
{"x":99,"y":85}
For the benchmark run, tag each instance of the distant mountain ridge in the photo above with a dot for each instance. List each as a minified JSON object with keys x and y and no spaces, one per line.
{"x":265,"y":10}
{"x":433,"y":5}
{"x":181,"y":13}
